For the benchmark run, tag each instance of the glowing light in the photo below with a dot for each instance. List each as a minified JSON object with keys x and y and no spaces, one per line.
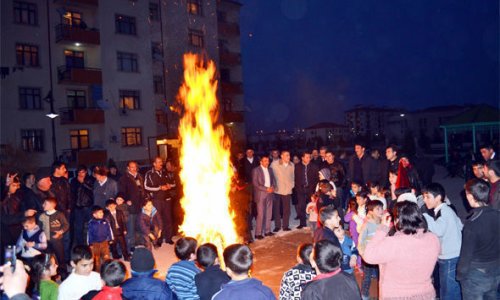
{"x":52,"y":115}
{"x":205,"y":158}
{"x":78,"y":44}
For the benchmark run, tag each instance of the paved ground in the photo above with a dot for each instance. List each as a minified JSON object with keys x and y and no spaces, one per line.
{"x":274,"y":255}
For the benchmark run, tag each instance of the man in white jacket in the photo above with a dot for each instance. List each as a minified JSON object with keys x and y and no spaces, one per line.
{"x":283,"y":170}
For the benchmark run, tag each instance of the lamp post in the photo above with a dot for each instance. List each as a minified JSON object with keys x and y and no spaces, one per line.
{"x":52,"y":115}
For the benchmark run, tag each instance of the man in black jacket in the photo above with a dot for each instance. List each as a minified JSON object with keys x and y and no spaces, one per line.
{"x":160,"y":188}
{"x":306,"y":179}
{"x":478,"y":269}
{"x":361,"y":166}
{"x":62,"y":191}
{"x":83,"y":200}
{"x":131,"y":190}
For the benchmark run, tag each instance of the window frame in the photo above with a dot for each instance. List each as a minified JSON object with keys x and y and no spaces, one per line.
{"x":75,"y":99}
{"x":154,"y":11}
{"x":33,"y":140}
{"x":135,"y":97}
{"x":77,"y":134}
{"x":25,"y":7}
{"x":158,"y":84}
{"x":133,"y":58}
{"x":36,"y":100}
{"x":136,"y":131}
{"x":125,"y":24}
{"x":195,"y":7}
{"x":196,"y":38}
{"x":33,"y":55}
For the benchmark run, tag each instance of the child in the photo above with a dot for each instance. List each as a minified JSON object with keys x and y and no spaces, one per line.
{"x":118,"y":225}
{"x":350,"y":253}
{"x":448,"y":228}
{"x":32,"y":241}
{"x":352,"y":210}
{"x":330,"y":219}
{"x":325,"y":197}
{"x":54,"y":225}
{"x":113,"y":274}
{"x":43,"y":268}
{"x":294,"y":279}
{"x":99,"y":236}
{"x":149,"y":225}
{"x":239,"y":259}
{"x":312,"y":211}
{"x":180,"y":276}
{"x":375,"y":193}
{"x":359,"y":218}
{"x":210,"y":280}
{"x":355,"y":188}
{"x":374,"y":213}
{"x":82,"y":279}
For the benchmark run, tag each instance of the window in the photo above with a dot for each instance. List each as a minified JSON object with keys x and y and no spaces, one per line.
{"x":130,"y":99}
{"x":161,"y":117}
{"x":76,"y":98}
{"x":221,"y":16}
{"x":29,"y":98}
{"x":79,"y":138}
{"x":127,"y":62}
{"x":158,"y":84}
{"x":131,"y":136}
{"x":32,"y":140}
{"x":27,"y":55}
{"x":194,"y":7}
{"x":25,"y":13}
{"x":74,"y":59}
{"x":156,"y":51}
{"x":125,"y":24}
{"x":154,"y":12}
{"x":72,"y":18}
{"x":225,"y":75}
{"x":196,"y":38}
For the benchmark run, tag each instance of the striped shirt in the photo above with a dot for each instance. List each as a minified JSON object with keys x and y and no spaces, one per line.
{"x":180,"y":279}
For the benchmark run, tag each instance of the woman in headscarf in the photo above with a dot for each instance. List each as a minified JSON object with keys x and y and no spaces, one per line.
{"x":407,"y":175}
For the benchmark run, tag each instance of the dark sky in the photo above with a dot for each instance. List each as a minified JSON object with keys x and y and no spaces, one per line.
{"x":306,"y":61}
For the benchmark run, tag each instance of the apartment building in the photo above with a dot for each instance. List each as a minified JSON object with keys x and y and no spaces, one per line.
{"x":107,"y":72}
{"x":369,"y":120}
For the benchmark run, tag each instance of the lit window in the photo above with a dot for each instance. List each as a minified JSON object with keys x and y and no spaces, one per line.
{"x":194,"y":7}
{"x":27,"y":55}
{"x":130,"y":99}
{"x":79,"y":138}
{"x":131,"y":136}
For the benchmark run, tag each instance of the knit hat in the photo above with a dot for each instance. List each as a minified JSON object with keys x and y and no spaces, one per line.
{"x":326,"y":173}
{"x":142,"y":260}
{"x":42,"y":173}
{"x":407,"y":197}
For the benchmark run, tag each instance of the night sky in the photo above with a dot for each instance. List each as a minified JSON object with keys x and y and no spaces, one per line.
{"x":308,"y":61}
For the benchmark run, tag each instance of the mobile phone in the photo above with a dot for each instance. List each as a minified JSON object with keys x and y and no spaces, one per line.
{"x":10,"y":256}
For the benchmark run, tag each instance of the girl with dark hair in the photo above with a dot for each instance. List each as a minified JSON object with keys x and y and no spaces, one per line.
{"x":407,"y":259}
{"x":43,"y":268}
{"x":407,"y":175}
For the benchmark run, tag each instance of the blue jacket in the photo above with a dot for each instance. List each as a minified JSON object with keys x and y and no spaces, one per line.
{"x":348,"y":249}
{"x":247,"y":289}
{"x":144,"y":286}
{"x":99,"y":231}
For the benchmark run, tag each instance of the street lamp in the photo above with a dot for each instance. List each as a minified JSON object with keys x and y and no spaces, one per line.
{"x":52,"y":115}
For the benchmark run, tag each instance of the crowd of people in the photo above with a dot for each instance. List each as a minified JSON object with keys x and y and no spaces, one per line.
{"x":378,"y":217}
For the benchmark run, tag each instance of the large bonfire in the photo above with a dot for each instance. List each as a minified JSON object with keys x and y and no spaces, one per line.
{"x":206,"y":170}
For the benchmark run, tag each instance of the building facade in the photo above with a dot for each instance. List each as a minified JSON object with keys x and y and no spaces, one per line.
{"x":110,"y":70}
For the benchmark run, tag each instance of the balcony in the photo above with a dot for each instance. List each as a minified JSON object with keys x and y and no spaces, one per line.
{"x":70,"y":75}
{"x":233,"y":116}
{"x":73,"y":116}
{"x":77,"y":34}
{"x":227,"y":29}
{"x":231,"y":88}
{"x":86,"y":157}
{"x":78,"y":2}
{"x":229,"y":58}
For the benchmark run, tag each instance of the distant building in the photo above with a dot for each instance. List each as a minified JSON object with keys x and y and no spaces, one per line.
{"x":369,"y":121}
{"x":326,"y":133}
{"x":111,"y":69}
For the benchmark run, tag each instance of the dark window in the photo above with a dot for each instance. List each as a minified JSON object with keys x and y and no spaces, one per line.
{"x":25,"y":13}
{"x":154,"y":12}
{"x":156,"y":51}
{"x":225,"y":75}
{"x":127,"y":62}
{"x":32,"y":140}
{"x":76,"y":98}
{"x":72,"y":18}
{"x":194,"y":7}
{"x":131,"y":136}
{"x":158,"y":84}
{"x":27,"y":55}
{"x":125,"y":24}
{"x":29,"y":98}
{"x":130,"y":99}
{"x":74,"y":59}
{"x":196,"y":38}
{"x":161,"y":117}
{"x":79,"y":138}
{"x":221,"y":16}
{"x":228,"y":104}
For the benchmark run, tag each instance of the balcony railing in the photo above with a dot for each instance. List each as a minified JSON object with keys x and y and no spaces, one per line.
{"x":231,"y":88}
{"x":233,"y":116}
{"x":67,"y":74}
{"x":81,"y":116}
{"x":86,"y":157}
{"x":229,"y":58}
{"x":228,"y":29}
{"x":77,"y":34}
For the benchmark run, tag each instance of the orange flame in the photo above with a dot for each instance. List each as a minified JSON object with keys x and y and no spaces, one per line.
{"x":205,"y":159}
